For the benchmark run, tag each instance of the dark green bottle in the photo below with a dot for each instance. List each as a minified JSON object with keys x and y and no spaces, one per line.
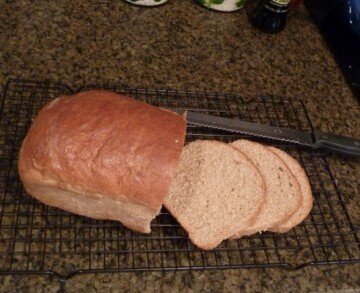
{"x":270,"y":15}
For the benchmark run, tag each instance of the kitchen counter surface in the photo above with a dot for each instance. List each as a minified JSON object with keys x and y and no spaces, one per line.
{"x":183,"y":46}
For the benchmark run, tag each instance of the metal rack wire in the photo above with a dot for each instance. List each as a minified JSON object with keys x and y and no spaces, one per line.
{"x":38,"y":239}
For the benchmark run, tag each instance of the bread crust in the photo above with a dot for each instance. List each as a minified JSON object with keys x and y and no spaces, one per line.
{"x":103,"y":143}
{"x":261,"y":203}
{"x":306,"y":194}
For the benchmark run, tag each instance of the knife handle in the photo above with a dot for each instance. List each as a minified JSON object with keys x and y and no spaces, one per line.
{"x":337,"y":143}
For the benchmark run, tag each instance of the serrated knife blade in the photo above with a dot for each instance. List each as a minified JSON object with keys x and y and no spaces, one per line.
{"x":249,"y":128}
{"x":314,"y":139}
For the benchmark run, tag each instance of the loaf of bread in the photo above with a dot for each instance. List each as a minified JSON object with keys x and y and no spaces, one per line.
{"x":107,"y":156}
{"x":103,"y":155}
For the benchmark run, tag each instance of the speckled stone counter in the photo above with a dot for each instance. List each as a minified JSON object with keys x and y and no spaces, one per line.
{"x":181,"y":45}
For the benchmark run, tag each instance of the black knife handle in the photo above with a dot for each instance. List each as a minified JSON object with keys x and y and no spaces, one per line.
{"x":337,"y":143}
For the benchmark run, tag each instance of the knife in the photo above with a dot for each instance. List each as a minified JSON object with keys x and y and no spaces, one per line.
{"x":315,"y":139}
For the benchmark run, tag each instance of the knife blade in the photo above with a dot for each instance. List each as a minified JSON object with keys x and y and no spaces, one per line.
{"x":315,"y":139}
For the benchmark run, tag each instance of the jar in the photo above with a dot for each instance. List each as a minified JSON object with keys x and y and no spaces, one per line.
{"x":223,"y":5}
{"x":147,"y":2}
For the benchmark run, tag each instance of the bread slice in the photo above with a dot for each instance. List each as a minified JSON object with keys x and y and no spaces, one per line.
{"x":282,"y":189}
{"x":306,"y":195}
{"x":216,"y":192}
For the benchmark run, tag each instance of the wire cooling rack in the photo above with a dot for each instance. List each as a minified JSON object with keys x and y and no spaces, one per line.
{"x":38,"y":239}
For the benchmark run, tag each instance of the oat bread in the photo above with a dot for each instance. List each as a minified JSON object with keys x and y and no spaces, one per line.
{"x":216,"y":192}
{"x":102,"y":155}
{"x":306,"y":195}
{"x":282,"y":189}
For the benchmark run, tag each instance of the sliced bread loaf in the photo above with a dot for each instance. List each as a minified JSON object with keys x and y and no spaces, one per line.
{"x":216,"y":192}
{"x":306,"y":195}
{"x":282,"y":189}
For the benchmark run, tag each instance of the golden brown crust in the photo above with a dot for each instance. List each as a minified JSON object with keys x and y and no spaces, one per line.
{"x":104,"y":143}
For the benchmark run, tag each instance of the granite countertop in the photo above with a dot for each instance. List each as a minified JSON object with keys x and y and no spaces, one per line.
{"x":183,"y":46}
